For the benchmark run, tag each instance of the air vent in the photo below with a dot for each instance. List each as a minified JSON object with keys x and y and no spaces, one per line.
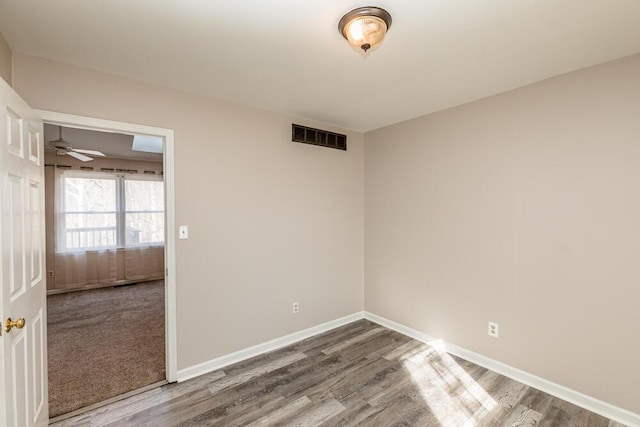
{"x":318,"y":137}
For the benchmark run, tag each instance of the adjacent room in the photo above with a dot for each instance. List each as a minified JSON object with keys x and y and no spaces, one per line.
{"x":409,"y":213}
{"x":104,"y":205}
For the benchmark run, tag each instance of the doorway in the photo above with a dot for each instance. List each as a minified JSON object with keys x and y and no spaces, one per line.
{"x":159,"y":286}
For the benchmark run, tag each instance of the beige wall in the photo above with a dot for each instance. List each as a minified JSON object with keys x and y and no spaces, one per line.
{"x":522,"y":208}
{"x":5,"y":60}
{"x":270,"y":221}
{"x":51,"y":160}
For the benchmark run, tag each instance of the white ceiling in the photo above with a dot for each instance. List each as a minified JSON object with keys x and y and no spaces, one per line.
{"x":113,"y":145}
{"x":287,"y":55}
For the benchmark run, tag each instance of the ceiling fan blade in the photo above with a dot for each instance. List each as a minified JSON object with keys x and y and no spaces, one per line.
{"x":79,"y":156}
{"x":89,"y":152}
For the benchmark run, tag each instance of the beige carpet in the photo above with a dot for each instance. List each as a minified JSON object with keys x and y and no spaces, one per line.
{"x":104,"y":342}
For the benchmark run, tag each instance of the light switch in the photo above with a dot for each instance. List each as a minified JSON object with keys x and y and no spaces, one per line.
{"x":183,"y":232}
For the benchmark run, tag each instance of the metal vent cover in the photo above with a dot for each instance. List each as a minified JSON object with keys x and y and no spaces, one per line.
{"x":324,"y":138}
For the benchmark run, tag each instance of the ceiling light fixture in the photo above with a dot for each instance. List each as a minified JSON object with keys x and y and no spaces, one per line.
{"x":365,"y":27}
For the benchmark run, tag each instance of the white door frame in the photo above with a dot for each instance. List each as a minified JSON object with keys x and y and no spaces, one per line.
{"x":90,"y":123}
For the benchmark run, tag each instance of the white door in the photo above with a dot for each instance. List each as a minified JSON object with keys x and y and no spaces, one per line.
{"x":23,"y":360}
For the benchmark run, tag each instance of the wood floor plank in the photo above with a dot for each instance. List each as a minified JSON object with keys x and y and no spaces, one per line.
{"x":241,"y":415}
{"x":402,"y":411}
{"x":247,"y":375}
{"x":316,"y":414}
{"x":239,"y":411}
{"x":316,"y":344}
{"x":135,"y":404}
{"x":283,"y":413}
{"x":182,"y":409}
{"x":555,"y":416}
{"x":299,"y":378}
{"x":357,"y":375}
{"x":356,"y":410}
{"x":359,"y":378}
{"x":352,"y":341}
{"x":537,"y":400}
{"x":261,"y":360}
{"x":405,"y":350}
{"x":505,"y":392}
{"x":521,"y":416}
{"x":473,"y":370}
{"x":586,"y":418}
{"x":391,"y":342}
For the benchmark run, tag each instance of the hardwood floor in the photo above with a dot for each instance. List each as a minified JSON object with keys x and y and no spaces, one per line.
{"x":359,"y":374}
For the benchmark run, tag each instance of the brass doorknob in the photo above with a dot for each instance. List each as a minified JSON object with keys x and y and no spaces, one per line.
{"x":18,"y":323}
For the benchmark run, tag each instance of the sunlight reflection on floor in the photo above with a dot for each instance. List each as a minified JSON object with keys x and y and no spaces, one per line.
{"x":434,"y":373}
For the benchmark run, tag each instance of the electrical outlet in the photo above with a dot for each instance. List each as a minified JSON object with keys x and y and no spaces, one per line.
{"x":296,"y":307}
{"x":51,"y":274}
{"x":494,"y":329}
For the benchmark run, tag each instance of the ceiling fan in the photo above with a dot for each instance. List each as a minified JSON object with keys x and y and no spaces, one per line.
{"x":63,"y":148}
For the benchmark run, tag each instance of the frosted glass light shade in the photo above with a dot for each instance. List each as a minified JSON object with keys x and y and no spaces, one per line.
{"x":365,"y":27}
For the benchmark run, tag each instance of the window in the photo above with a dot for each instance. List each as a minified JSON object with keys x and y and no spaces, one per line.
{"x":90,"y":214}
{"x":108,"y":211}
{"x":144,"y":212}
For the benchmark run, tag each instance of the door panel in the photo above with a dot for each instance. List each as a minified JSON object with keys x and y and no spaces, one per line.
{"x":19,"y":374}
{"x":15,"y":236}
{"x":14,"y":133}
{"x":34,"y":253}
{"x":35,"y":152}
{"x":39,"y":363}
{"x":23,"y":366}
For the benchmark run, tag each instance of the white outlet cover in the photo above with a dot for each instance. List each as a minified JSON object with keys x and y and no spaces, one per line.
{"x":494,"y":329}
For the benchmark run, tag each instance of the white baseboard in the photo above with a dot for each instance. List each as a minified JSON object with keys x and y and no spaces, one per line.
{"x":590,"y":403}
{"x":247,"y":353}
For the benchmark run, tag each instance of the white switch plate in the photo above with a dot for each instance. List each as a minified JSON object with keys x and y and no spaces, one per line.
{"x":183,"y":232}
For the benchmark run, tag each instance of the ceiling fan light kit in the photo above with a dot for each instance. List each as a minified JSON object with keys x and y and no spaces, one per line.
{"x":365,"y":27}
